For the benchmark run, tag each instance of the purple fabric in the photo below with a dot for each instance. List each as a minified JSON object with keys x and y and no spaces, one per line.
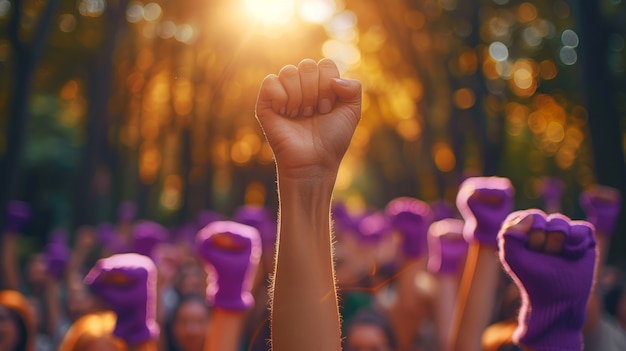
{"x":442,"y":209}
{"x":147,"y":235}
{"x":261,"y":219}
{"x":373,"y":228}
{"x":109,"y":239}
{"x":231,"y":252}
{"x":127,"y":211}
{"x":552,"y":190}
{"x":343,"y":221}
{"x":128,"y":284}
{"x":554,"y":287}
{"x":57,"y":253}
{"x":602,"y":210}
{"x":206,"y":217}
{"x":447,"y":250}
{"x":484,"y":203}
{"x":185,"y":233}
{"x":17,"y":216}
{"x":411,"y":217}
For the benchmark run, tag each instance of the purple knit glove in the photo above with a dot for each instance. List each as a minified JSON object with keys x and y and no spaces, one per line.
{"x":185,"y":233}
{"x":411,"y":217}
{"x":447,"y":249}
{"x":206,"y":217}
{"x":373,"y":228}
{"x":127,"y":211}
{"x":147,"y":235}
{"x":602,"y":205}
{"x":442,"y":209}
{"x":343,"y":221}
{"x":261,"y":219}
{"x":484,"y":203}
{"x":231,"y":253}
{"x":17,"y":216}
{"x":128,"y":284}
{"x":109,"y":239}
{"x":554,"y":286}
{"x":552,"y":192}
{"x":57,"y":254}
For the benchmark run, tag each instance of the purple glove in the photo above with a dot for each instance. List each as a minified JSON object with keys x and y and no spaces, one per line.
{"x":185,"y":233}
{"x":147,"y":235}
{"x":411,"y":217}
{"x":447,"y":249}
{"x":206,"y":217}
{"x":484,"y":203}
{"x":555,"y":285}
{"x":128,"y":284}
{"x":231,"y":252}
{"x":602,"y":205}
{"x":17,"y":216}
{"x":343,"y":221}
{"x":57,"y":254}
{"x":373,"y":228}
{"x":261,"y":219}
{"x":109,"y":239}
{"x":442,"y":209}
{"x":127,"y":211}
{"x":552,"y":192}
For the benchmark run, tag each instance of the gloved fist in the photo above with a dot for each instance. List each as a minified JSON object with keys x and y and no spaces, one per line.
{"x":231,"y":253}
{"x":484,"y":203}
{"x":602,"y":205}
{"x":17,"y":216}
{"x":411,"y":217}
{"x":447,"y":250}
{"x":127,"y":283}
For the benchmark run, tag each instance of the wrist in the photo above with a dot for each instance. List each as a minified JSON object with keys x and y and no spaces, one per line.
{"x":134,"y":329}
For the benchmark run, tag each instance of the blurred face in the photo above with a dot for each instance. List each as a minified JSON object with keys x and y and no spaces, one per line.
{"x":190,"y":325}
{"x":36,"y":271}
{"x":79,"y":302}
{"x":9,"y":330}
{"x":366,"y":337}
{"x":621,"y":310}
{"x":192,"y":282}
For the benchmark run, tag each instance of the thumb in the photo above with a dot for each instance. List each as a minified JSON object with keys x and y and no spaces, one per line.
{"x":348,"y":91}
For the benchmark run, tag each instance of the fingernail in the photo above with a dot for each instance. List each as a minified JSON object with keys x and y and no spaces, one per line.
{"x":293,"y":114}
{"x":282,"y":110}
{"x":341,"y":82}
{"x":308,"y":111}
{"x":324,"y":106}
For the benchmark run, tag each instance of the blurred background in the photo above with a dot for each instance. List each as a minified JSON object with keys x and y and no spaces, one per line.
{"x":103,"y":101}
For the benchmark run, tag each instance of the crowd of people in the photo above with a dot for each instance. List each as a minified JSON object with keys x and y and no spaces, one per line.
{"x":317,"y":274}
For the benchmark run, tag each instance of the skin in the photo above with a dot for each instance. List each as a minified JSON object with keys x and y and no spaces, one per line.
{"x":190,"y":325}
{"x":366,"y":337}
{"x":8,"y":330}
{"x":308,"y":117}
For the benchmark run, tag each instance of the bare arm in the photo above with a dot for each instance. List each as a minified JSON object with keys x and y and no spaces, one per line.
{"x":308,"y":116}
{"x":10,"y":270}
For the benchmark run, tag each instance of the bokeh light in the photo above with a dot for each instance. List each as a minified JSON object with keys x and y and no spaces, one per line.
{"x":568,"y":55}
{"x":271,"y":12}
{"x":498,"y":51}
{"x":317,"y":11}
{"x":5,"y":7}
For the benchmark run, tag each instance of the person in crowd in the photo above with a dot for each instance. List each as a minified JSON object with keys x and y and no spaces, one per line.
{"x":309,"y":114}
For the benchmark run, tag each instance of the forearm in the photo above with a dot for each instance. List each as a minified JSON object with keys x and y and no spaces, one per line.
{"x":444,"y":309}
{"x":53,"y":305}
{"x":594,"y":305}
{"x":307,"y":316}
{"x":225,"y":330}
{"x":10,"y":272}
{"x":476,"y":295}
{"x":407,"y":312}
